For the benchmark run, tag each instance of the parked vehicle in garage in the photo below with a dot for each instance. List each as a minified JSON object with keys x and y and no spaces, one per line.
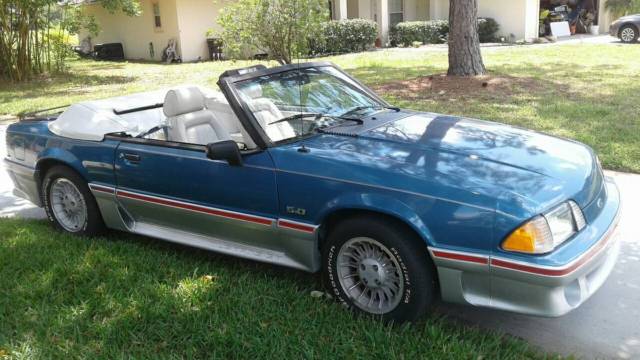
{"x":303,"y":166}
{"x":626,"y":28}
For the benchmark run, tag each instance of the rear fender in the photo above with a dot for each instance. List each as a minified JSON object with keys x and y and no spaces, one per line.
{"x":61,"y":156}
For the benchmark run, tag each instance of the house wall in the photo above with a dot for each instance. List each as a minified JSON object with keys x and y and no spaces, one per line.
{"x":605,"y":18}
{"x":518,"y":17}
{"x":195,"y":18}
{"x":135,"y":33}
{"x":416,"y":10}
{"x":439,"y":9}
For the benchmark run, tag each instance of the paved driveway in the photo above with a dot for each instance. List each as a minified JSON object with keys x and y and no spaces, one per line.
{"x":10,"y":206}
{"x":606,"y":326}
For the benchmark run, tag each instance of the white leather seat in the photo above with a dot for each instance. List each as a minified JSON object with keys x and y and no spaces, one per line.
{"x":219,"y":106}
{"x":188,"y":120}
{"x":266,"y":112}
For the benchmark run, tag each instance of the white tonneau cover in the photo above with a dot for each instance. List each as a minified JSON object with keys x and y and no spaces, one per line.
{"x":91,"y":120}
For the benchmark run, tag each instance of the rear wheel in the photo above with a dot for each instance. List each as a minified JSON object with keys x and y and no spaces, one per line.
{"x":379,"y":267}
{"x":629,"y":34}
{"x":69,"y":204}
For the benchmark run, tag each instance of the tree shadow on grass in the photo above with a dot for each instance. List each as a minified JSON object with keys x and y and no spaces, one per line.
{"x":123,"y":294}
{"x":592,"y":109}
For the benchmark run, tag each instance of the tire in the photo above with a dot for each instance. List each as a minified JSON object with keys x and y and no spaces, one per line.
{"x":79,"y":203}
{"x":628,"y":34}
{"x":402,"y":297}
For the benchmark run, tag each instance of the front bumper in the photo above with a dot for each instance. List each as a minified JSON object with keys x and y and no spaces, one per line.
{"x":613,"y":29}
{"x":529,"y":288}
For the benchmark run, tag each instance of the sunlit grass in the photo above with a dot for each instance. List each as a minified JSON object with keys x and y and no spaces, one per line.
{"x":588,"y":92}
{"x":124,"y":296}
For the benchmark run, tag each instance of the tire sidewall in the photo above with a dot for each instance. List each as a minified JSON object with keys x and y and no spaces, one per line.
{"x":418,"y":279}
{"x":91,"y":224}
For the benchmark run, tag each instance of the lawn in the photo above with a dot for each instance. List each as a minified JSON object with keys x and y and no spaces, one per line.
{"x":124,"y":296}
{"x":586,"y":92}
{"x":128,"y":296}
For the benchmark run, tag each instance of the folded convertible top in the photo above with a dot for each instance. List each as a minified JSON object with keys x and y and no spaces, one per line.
{"x":91,"y":120}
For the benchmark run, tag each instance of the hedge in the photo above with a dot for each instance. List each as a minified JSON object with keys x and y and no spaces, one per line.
{"x":345,"y":36}
{"x":426,"y":32}
{"x":436,"y":31}
{"x":487,"y":29}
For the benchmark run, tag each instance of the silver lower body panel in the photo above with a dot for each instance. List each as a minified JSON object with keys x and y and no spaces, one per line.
{"x":277,"y":243}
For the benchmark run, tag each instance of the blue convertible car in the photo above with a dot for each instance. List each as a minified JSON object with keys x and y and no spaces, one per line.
{"x":303,"y":166}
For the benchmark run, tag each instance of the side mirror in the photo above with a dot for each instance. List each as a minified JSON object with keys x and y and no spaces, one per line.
{"x":225,"y":150}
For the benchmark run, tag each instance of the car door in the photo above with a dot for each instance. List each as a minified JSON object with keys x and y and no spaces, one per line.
{"x":175,"y":192}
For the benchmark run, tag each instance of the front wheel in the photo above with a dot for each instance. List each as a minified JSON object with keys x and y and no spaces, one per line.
{"x":379,"y":267}
{"x":69,"y":204}
{"x":628,"y":34}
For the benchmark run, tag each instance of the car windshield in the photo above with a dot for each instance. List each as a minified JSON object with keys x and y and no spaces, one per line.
{"x":302,"y":101}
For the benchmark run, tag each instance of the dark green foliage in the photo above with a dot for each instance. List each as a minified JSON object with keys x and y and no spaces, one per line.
{"x":436,"y":31}
{"x":426,"y":32}
{"x":345,"y":36}
{"x":487,"y":29}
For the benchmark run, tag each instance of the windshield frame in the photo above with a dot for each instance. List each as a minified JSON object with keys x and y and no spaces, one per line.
{"x":227,"y":83}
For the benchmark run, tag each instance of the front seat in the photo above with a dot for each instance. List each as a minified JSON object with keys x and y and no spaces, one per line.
{"x":266,"y":112}
{"x":187,"y":119}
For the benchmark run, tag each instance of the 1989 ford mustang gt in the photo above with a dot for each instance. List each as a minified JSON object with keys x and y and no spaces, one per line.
{"x":303,"y":166}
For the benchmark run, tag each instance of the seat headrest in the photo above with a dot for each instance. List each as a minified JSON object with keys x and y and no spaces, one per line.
{"x":183,"y":100}
{"x":261,"y":105}
{"x":253,"y":91}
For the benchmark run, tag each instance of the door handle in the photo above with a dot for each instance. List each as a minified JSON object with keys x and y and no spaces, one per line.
{"x":130,"y":157}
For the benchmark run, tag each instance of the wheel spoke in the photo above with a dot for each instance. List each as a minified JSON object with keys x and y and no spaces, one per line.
{"x":67,"y":204}
{"x":366,"y":264}
{"x":355,"y":286}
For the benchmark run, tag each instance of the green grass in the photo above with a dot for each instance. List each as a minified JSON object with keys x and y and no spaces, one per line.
{"x":124,"y":296}
{"x":586,"y":92}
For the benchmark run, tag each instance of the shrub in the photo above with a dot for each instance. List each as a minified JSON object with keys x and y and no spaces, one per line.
{"x":274,"y":27}
{"x":345,"y":36}
{"x":426,"y":32}
{"x":487,"y":29}
{"x":436,"y":31}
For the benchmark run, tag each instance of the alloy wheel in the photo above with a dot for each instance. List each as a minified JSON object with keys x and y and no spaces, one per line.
{"x":68,"y":205}
{"x":370,"y":274}
{"x":628,"y":34}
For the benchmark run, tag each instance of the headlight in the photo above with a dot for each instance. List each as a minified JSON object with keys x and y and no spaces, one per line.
{"x":545,"y":232}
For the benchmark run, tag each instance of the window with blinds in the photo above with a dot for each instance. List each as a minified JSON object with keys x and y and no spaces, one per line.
{"x":396,"y":12}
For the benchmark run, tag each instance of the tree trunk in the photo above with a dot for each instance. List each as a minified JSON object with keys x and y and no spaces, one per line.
{"x":465,"y":58}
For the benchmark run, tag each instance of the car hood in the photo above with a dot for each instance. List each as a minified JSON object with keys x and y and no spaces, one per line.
{"x":512,"y":170}
{"x":630,"y":17}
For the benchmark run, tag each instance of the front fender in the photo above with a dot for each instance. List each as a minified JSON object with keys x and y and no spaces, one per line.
{"x":379,"y":203}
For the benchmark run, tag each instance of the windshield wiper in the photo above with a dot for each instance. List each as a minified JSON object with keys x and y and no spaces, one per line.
{"x":363,"y":107}
{"x":316,"y":116}
{"x":297,"y":116}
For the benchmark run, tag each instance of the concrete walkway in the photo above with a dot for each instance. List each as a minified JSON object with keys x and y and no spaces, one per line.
{"x":11,"y":206}
{"x":606,"y":326}
{"x":567,"y":40}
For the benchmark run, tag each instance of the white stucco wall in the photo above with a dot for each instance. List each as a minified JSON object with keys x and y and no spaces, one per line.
{"x":195,"y":18}
{"x":135,"y":33}
{"x":518,"y":17}
{"x":439,"y":9}
{"x":605,"y":18}
{"x":415,"y":10}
